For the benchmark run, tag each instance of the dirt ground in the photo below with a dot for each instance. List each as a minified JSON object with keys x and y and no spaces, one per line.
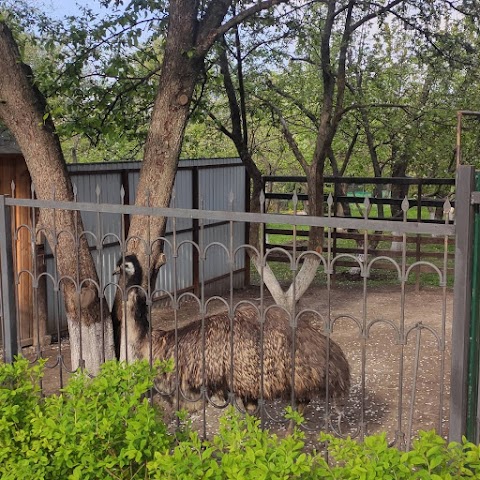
{"x":378,"y":401}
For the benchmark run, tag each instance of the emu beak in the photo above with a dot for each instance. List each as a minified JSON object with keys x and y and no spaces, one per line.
{"x":117,"y":271}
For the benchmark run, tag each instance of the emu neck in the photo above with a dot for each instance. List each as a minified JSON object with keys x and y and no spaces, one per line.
{"x":134,"y":326}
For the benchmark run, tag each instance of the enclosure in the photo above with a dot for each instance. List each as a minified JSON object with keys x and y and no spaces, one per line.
{"x":395,"y":331}
{"x":115,"y":182}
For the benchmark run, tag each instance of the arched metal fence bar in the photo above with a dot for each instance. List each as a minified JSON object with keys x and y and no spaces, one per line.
{"x":353,"y":330}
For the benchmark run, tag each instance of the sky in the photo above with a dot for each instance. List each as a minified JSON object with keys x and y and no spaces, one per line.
{"x":62,"y":8}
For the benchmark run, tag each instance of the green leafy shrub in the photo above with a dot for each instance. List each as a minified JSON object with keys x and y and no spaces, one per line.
{"x":105,"y":428}
{"x":19,"y":396}
{"x":430,"y":458}
{"x":241,"y":450}
{"x":96,"y":428}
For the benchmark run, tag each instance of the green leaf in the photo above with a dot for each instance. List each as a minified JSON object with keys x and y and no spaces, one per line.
{"x":435,"y":462}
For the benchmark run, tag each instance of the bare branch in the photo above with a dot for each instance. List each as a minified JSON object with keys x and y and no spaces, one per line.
{"x":375,"y":14}
{"x":220,"y":126}
{"x":209,"y":31}
{"x":287,"y":134}
{"x":358,"y":106}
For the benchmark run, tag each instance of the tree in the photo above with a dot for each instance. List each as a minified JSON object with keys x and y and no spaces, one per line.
{"x":417,"y":135}
{"x":192,"y":28}
{"x":359,"y":94}
{"x":23,"y":110}
{"x":345,"y":110}
{"x":238,"y":130}
{"x":329,"y":32}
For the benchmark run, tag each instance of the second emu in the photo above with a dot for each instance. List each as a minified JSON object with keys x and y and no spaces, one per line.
{"x":214,"y":344}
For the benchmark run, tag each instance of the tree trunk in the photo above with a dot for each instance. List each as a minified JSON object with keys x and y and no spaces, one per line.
{"x":399,"y":191}
{"x":162,"y":149}
{"x":23,"y":110}
{"x":188,"y":42}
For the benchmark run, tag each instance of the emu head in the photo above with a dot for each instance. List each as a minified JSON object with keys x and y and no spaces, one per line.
{"x":131,"y":268}
{"x":135,"y":310}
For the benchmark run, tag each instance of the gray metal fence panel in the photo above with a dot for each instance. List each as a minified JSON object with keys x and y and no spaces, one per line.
{"x":218,"y":255}
{"x":104,"y":188}
{"x":102,"y":183}
{"x":183,"y":198}
{"x":133,"y":178}
{"x":415,"y":347}
{"x":181,"y":264}
{"x":215,"y":189}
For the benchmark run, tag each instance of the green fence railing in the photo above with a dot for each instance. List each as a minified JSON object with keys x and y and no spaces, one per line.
{"x":473,"y":430}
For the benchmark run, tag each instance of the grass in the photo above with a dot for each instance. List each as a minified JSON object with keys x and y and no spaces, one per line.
{"x":357,"y":210}
{"x":343,"y":278}
{"x":378,"y":276}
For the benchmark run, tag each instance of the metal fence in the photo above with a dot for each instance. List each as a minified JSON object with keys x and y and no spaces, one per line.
{"x":426,"y":197}
{"x":396,"y":339}
{"x":199,"y":183}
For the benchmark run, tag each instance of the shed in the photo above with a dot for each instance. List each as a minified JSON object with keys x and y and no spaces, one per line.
{"x":14,"y":169}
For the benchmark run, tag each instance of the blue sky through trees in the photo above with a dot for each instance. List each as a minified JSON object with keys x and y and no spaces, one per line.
{"x":62,"y":8}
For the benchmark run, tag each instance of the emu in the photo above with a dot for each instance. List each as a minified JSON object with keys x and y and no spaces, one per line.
{"x":212,"y":341}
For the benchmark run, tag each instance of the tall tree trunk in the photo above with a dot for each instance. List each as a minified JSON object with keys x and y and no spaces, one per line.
{"x":399,"y":191}
{"x":23,"y":110}
{"x":188,"y":41}
{"x":239,"y":136}
{"x":377,"y":170}
{"x":164,"y":140}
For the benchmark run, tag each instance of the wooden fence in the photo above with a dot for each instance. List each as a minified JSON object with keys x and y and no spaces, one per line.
{"x":426,"y":202}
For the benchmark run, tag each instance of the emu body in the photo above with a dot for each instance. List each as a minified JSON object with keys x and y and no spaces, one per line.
{"x":212,"y":341}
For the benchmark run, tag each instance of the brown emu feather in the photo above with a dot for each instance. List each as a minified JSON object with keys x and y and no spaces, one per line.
{"x":210,"y":341}
{"x":310,"y":357}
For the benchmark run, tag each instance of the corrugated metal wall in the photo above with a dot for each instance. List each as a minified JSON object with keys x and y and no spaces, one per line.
{"x":217,"y":180}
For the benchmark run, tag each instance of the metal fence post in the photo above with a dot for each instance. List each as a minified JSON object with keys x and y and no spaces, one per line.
{"x":474,"y":344}
{"x":196,"y":204}
{"x":8,"y":285}
{"x":464,"y":219}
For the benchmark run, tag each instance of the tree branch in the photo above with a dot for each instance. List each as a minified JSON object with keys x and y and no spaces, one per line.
{"x":209,"y":30}
{"x":287,"y":134}
{"x":235,"y":114}
{"x":375,"y":14}
{"x":220,"y":126}
{"x":310,"y":115}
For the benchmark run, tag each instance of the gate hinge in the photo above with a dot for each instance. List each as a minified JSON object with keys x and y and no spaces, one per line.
{"x":475,"y":198}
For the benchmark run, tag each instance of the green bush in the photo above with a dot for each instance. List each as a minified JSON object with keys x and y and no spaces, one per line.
{"x":430,"y":458}
{"x":95,"y":429}
{"x":105,"y":428}
{"x":241,"y":450}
